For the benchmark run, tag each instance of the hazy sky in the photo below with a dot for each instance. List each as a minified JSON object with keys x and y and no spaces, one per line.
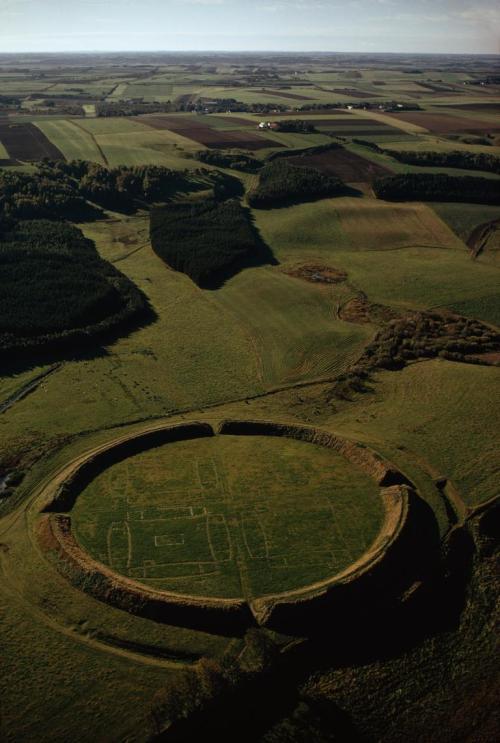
{"x":233,"y":25}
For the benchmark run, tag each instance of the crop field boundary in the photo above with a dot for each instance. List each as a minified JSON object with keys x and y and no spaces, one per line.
{"x":293,"y":609}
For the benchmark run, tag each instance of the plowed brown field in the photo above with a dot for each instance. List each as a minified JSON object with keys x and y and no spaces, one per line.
{"x":199,"y":130}
{"x":27,"y":142}
{"x":347,"y":165}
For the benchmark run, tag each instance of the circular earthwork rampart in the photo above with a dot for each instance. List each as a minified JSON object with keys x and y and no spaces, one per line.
{"x":290,"y":609}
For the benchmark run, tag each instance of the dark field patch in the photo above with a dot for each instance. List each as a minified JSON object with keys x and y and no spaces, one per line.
{"x":282,"y":94}
{"x":357,"y":126}
{"x":445,"y":123}
{"x":236,"y":120}
{"x":229,"y":140}
{"x":485,"y":107}
{"x":27,"y":142}
{"x":346,"y":165}
{"x":315,"y":112}
{"x":200,"y":131}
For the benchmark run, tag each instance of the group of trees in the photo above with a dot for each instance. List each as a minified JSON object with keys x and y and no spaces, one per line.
{"x":224,"y":159}
{"x":222,"y":105}
{"x":281,"y":183}
{"x":40,"y":195}
{"x":427,"y":335}
{"x":437,"y":187}
{"x":132,"y":108}
{"x":57,"y":290}
{"x":456,"y":159}
{"x":63,"y":190}
{"x":296,"y":125}
{"x":464,"y":159}
{"x":419,"y":335}
{"x":203,"y":240}
{"x":368,"y":105}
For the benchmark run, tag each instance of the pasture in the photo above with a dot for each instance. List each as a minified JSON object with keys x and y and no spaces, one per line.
{"x":232,"y":516}
{"x":434,"y":415}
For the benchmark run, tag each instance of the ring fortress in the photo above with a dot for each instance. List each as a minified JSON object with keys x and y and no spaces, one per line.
{"x":249,"y":514}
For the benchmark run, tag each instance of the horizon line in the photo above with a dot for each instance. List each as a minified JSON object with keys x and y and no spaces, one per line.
{"x":248,"y":51}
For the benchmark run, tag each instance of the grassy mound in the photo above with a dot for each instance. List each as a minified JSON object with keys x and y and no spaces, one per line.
{"x":208,"y":241}
{"x":281,"y":183}
{"x":56,"y":289}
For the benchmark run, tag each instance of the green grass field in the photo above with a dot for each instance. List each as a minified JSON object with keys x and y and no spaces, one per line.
{"x":463,"y":218}
{"x":74,"y":142}
{"x":435,"y":414}
{"x":398,"y":254}
{"x":230,"y":516}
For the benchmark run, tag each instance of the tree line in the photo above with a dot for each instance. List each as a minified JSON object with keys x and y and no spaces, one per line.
{"x":63,"y":189}
{"x":437,"y":187}
{"x":463,"y":159}
{"x":281,"y":183}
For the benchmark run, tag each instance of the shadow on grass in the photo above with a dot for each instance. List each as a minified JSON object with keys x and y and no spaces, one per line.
{"x":262,"y":255}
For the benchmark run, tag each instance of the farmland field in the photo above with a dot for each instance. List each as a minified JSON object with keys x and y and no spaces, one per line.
{"x":372,"y":328}
{"x":348,"y":166}
{"x":201,"y":132}
{"x":26,"y":142}
{"x":74,"y":142}
{"x":445,"y":123}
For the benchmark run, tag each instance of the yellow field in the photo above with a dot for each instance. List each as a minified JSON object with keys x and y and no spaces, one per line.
{"x":405,"y":126}
{"x":380,"y":225}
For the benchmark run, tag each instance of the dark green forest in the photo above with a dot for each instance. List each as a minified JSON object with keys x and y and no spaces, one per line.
{"x":61,"y":189}
{"x":208,"y":241}
{"x":234,"y":160}
{"x":56,"y":289}
{"x":456,"y":159}
{"x":438,"y":187}
{"x":296,"y":125}
{"x":281,"y":183}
